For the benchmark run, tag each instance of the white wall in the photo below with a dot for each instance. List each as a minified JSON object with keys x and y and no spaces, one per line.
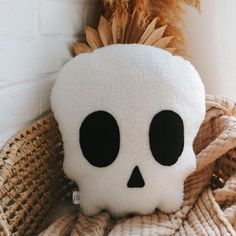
{"x":212,"y":44}
{"x":35,"y":41}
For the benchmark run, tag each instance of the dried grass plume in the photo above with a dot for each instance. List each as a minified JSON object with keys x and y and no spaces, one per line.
{"x":151,"y":22}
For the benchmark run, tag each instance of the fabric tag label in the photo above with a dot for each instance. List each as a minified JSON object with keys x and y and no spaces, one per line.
{"x":75,"y":197}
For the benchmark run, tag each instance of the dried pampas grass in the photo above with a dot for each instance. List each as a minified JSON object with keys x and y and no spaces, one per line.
{"x":171,"y":13}
{"x":151,"y":22}
{"x":132,"y":32}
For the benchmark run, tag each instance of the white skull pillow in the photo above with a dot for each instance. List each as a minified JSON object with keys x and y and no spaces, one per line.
{"x":128,"y":115}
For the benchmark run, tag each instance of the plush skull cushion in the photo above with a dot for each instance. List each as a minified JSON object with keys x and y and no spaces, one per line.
{"x":128,"y":115}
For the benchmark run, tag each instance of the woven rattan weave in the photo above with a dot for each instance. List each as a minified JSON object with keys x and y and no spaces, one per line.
{"x":31,"y":177}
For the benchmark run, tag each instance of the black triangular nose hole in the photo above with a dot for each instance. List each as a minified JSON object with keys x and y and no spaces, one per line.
{"x":136,"y":179}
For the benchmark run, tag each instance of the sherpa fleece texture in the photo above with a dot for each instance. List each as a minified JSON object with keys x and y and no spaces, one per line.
{"x":133,"y":83}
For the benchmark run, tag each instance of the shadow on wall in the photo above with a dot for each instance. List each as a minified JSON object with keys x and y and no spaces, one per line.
{"x":212,"y":47}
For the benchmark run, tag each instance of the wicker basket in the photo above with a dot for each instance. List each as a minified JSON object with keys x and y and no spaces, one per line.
{"x":32,"y":180}
{"x":31,"y":177}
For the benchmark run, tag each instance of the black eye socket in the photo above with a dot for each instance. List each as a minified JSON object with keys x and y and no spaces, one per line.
{"x":100,"y":138}
{"x":166,"y":137}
